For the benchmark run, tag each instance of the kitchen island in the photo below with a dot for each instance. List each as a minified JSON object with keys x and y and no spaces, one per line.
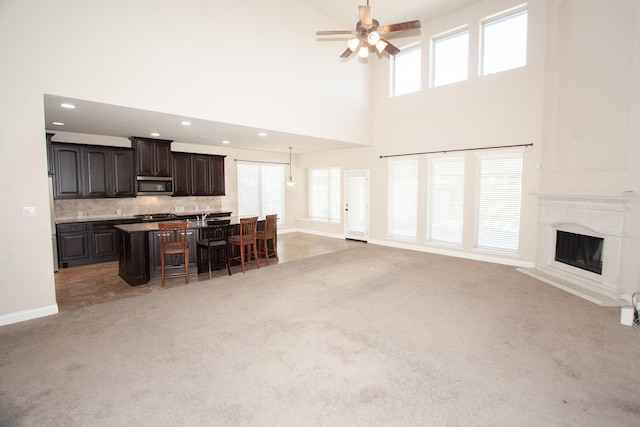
{"x":139,"y":259}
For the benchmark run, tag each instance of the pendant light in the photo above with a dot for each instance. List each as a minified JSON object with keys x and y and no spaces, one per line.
{"x":290,"y":181}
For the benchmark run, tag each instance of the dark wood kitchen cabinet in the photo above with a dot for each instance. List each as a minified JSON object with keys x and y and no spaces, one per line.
{"x":216,"y":175}
{"x":198,"y":174}
{"x":181,"y":174}
{"x":103,"y":242}
{"x":153,"y":156}
{"x":73,"y":244}
{"x":96,"y":172}
{"x":124,"y":184}
{"x":49,"y":153}
{"x":67,"y":161}
{"x":89,"y":171}
{"x":81,"y":243}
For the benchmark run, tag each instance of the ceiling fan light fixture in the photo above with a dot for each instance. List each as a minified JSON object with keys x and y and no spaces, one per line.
{"x":363,"y":52}
{"x":381,"y":45}
{"x":373,"y":38}
{"x":353,"y":44}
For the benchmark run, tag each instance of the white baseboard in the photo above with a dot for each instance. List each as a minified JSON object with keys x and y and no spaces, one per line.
{"x":456,"y":254}
{"x":33,"y":313}
{"x":431,"y":250}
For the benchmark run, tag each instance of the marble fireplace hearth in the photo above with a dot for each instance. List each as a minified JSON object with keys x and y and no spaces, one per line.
{"x":602,"y":216}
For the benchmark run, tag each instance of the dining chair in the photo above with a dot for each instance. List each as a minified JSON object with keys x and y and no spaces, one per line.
{"x":217,"y":234}
{"x":246,"y":240}
{"x":268,"y":234}
{"x":173,"y":241}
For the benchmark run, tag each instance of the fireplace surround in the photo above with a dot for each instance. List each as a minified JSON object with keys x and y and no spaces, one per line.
{"x":597,"y":216}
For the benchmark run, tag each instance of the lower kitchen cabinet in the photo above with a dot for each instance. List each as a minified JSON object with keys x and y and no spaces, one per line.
{"x":73,"y":244}
{"x":82,"y":243}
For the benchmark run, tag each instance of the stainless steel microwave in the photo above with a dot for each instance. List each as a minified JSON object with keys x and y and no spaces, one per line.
{"x":153,"y":186}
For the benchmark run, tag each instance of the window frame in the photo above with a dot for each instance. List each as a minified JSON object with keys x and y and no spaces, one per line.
{"x":333,"y":185}
{"x":391,"y":205}
{"x":448,"y":35}
{"x":493,"y":19}
{"x":519,"y":154}
{"x":431,"y":163}
{"x":261,"y":194}
{"x":393,"y":63}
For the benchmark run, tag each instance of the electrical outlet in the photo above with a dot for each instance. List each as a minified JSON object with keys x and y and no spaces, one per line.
{"x":28,"y":211}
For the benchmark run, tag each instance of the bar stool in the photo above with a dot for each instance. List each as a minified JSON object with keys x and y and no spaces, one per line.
{"x":268,"y":234}
{"x":217,"y":234}
{"x":173,"y":241}
{"x":246,"y":240}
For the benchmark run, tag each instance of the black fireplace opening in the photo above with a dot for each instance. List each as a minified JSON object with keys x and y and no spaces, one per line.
{"x":580,"y":251}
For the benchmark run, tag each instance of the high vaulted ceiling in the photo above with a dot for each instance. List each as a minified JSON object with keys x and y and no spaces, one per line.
{"x":103,"y":119}
{"x":385,"y":11}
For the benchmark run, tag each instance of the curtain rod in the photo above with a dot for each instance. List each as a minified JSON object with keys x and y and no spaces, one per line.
{"x":456,"y":150}
{"x":257,"y":161}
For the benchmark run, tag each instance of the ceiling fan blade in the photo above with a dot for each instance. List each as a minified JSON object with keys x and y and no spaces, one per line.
{"x":365,"y":16}
{"x":411,"y":25}
{"x":391,"y":49}
{"x":332,"y":33}
{"x":346,"y":53}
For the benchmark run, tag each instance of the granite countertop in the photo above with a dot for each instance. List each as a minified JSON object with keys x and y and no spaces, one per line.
{"x":114,"y":217}
{"x":153,"y":226}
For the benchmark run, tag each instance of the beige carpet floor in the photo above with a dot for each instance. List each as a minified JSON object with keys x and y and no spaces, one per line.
{"x":369,"y":336}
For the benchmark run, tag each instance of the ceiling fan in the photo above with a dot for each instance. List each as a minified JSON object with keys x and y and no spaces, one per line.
{"x":368,"y":32}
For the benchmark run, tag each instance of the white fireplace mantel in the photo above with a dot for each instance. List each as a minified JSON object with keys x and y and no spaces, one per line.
{"x":605,"y":215}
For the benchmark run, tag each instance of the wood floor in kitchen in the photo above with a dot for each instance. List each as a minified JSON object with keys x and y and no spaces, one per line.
{"x":94,"y":284}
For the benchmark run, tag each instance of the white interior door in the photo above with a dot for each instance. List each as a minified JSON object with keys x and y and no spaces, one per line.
{"x":356,"y":205}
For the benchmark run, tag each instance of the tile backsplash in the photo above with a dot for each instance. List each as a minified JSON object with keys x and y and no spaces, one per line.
{"x":101,"y":208}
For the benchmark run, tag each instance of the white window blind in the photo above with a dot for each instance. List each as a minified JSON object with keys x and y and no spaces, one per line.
{"x":499,"y":194}
{"x":450,"y":58}
{"x":324,"y":194}
{"x":403,"y":198}
{"x":261,"y":190}
{"x":445,"y":199}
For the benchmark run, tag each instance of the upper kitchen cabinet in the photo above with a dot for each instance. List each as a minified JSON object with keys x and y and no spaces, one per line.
{"x":124,"y":184}
{"x":216,"y":175}
{"x":97,"y":171}
{"x":49,"y":154}
{"x":153,"y":156}
{"x":89,"y":171}
{"x":67,"y":161}
{"x":181,"y":174}
{"x":198,"y":175}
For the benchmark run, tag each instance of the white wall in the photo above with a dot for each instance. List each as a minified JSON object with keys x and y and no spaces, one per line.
{"x":252,"y":63}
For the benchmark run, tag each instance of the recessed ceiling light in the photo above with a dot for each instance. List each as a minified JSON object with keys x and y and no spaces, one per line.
{"x":155,"y":134}
{"x":200,"y":137}
{"x":67,"y":105}
{"x":185,"y":123}
{"x":225,"y":142}
{"x":262,"y":134}
{"x":57,"y":123}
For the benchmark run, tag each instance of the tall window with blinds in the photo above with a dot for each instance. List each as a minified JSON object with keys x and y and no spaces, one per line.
{"x":498,"y":206}
{"x":261,"y":190}
{"x":324,"y":194}
{"x":445,"y":199}
{"x":403,"y":198}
